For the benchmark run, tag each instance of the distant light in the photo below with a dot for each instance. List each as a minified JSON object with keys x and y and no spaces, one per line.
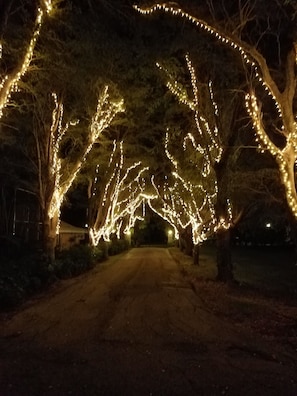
{"x":86,"y":225}
{"x":268,"y":225}
{"x":170,"y":232}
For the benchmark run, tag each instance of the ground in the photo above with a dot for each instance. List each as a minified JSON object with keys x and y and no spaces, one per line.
{"x":147,"y":322}
{"x":263,"y":297}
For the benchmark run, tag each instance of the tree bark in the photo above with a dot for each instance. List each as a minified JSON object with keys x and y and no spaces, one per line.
{"x":293,"y":234}
{"x":196,"y":254}
{"x":224,"y":259}
{"x":50,"y":237}
{"x":186,"y":241}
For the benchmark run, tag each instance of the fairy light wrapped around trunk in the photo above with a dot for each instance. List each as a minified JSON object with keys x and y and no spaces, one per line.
{"x":105,"y":112}
{"x":122,"y":196}
{"x":197,"y":198}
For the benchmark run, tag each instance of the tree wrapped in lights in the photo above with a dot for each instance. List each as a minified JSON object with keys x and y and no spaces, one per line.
{"x":9,"y":81}
{"x":166,"y":204}
{"x":190,"y":200}
{"x":207,"y":209}
{"x":174,"y":203}
{"x":56,"y":174}
{"x":281,"y":91}
{"x":115,"y":195}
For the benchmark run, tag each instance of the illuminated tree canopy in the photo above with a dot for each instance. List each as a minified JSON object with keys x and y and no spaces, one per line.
{"x":10,"y":80}
{"x":262,"y":75}
{"x":116,"y":202}
{"x":73,"y":53}
{"x":196,"y":196}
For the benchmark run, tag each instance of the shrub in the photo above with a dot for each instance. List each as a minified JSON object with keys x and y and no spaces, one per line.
{"x":22,"y":276}
{"x":117,"y":246}
{"x":76,"y":260}
{"x":24,"y":272}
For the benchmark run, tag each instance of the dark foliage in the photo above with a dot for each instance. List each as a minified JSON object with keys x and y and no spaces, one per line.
{"x":76,"y":260}
{"x":22,"y":274}
{"x":25,"y":272}
{"x":118,"y":246}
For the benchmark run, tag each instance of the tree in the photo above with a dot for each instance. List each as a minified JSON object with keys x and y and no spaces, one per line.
{"x":115,"y":195}
{"x":211,"y":211}
{"x":57,"y":174}
{"x":56,"y":143}
{"x":20,"y":26}
{"x":280,"y":87}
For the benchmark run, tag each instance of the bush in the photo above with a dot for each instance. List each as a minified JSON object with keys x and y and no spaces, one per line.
{"x":117,"y":246}
{"x":24,"y":272}
{"x":21,"y":277}
{"x":76,"y":260}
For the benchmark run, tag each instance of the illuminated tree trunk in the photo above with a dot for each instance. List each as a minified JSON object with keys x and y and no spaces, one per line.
{"x":50,"y":236}
{"x":287,"y":171}
{"x":186,"y":241}
{"x":223,"y":240}
{"x":100,"y":213}
{"x":114,"y":196}
{"x":57,"y":174}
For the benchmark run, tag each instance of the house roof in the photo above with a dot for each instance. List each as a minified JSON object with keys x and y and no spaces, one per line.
{"x":66,"y":228}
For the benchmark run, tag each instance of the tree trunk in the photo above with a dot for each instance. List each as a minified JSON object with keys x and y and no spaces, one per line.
{"x":50,"y":237}
{"x":287,"y":171}
{"x":196,"y":254}
{"x":224,"y":260}
{"x":186,"y":241}
{"x":293,"y":234}
{"x":104,"y":246}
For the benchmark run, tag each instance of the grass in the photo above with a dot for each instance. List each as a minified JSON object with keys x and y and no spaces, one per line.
{"x":264,"y":298}
{"x":265,"y":267}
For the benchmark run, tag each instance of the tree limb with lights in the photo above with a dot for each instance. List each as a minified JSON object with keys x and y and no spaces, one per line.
{"x":60,"y":173}
{"x":203,"y":149}
{"x":286,"y":156}
{"x":10,"y":81}
{"x":116,"y":196}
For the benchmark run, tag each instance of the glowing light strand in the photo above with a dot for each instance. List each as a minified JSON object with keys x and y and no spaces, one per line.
{"x":123,"y":195}
{"x":9,"y":82}
{"x":283,"y":100}
{"x":198,"y":208}
{"x":105,"y":112}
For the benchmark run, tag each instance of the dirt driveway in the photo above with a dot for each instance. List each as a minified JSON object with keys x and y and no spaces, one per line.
{"x":135,"y":326}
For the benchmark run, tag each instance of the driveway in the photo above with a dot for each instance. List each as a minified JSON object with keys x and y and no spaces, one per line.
{"x":135,"y":326}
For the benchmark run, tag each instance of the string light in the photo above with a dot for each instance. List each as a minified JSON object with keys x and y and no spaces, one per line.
{"x":286,"y":158}
{"x":48,"y":6}
{"x":176,"y":11}
{"x":124,"y":193}
{"x":9,"y":82}
{"x":63,"y":176}
{"x":186,"y":203}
